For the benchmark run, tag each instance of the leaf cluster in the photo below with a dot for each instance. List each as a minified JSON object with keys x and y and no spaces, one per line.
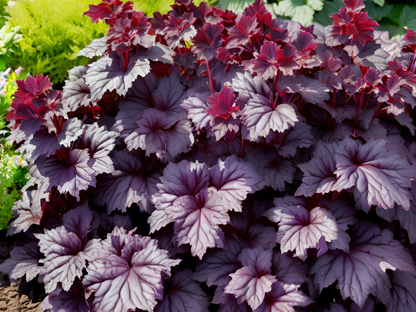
{"x":209,"y":161}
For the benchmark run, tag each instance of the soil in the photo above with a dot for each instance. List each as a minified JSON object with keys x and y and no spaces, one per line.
{"x":22,"y":297}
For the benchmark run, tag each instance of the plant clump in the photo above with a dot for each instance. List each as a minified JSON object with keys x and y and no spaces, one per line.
{"x":208,"y":161}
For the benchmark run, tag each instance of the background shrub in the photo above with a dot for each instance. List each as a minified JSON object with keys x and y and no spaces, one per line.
{"x":53,"y":34}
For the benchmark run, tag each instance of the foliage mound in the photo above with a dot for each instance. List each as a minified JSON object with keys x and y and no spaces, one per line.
{"x":214,"y":162}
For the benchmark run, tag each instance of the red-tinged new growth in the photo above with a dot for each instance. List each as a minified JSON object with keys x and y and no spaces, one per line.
{"x":222,"y":103}
{"x":351,"y":25}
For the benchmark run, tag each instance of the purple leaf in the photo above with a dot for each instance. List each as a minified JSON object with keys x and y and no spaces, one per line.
{"x":207,"y":41}
{"x":260,"y":116}
{"x":363,"y":270}
{"x":42,"y":143}
{"x":181,"y":179}
{"x":129,"y":183}
{"x":218,"y":264}
{"x":71,"y":175}
{"x":108,"y":74}
{"x":283,"y":298}
{"x":318,"y":173}
{"x":100,"y":142}
{"x":28,"y":214}
{"x":70,"y":132}
{"x":158,"y":132}
{"x":379,"y":175}
{"x":61,"y":301}
{"x":197,"y":110}
{"x":66,"y":257}
{"x":197,"y":219}
{"x":137,"y":99}
{"x":169,"y":94}
{"x":407,"y":218}
{"x":96,"y":48}
{"x":272,"y":58}
{"x":76,"y":94}
{"x":23,"y":261}
{"x":253,"y":280}
{"x":288,"y":269}
{"x":181,"y":294}
{"x":300,"y":229}
{"x":246,"y":85}
{"x":403,"y":292}
{"x":234,"y":179}
{"x":127,"y":276}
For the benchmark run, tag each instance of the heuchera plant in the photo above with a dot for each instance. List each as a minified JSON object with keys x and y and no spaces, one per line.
{"x":209,"y":161}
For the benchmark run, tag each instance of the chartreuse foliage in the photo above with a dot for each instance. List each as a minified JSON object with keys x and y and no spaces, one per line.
{"x":209,"y":161}
{"x":13,"y":173}
{"x":53,"y":34}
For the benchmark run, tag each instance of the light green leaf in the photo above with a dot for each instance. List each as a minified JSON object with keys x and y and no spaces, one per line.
{"x":237,"y":6}
{"x":317,"y":5}
{"x":379,"y":2}
{"x":330,"y":7}
{"x":298,"y":10}
{"x":408,"y":17}
{"x":377,"y":12}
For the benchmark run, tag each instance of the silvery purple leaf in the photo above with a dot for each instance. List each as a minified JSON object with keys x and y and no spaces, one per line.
{"x":246,"y":85}
{"x":96,"y":48}
{"x":70,"y":132}
{"x":260,"y":116}
{"x":234,"y":178}
{"x":66,"y":257}
{"x":127,"y":276}
{"x":23,"y":261}
{"x":108,"y":74}
{"x":318,"y":173}
{"x":379,"y":176}
{"x":100,"y":142}
{"x":363,"y":270}
{"x":182,"y":294}
{"x":76,"y":94}
{"x":29,"y":213}
{"x":283,"y":298}
{"x":196,"y":107}
{"x":184,"y":178}
{"x":159,"y":132}
{"x":300,"y":229}
{"x":253,"y":280}
{"x":71,"y":175}
{"x":197,"y":219}
{"x":407,"y":218}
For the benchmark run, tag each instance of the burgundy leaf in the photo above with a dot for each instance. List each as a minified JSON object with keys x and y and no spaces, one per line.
{"x":129,"y":183}
{"x":181,"y":294}
{"x":363,"y":270}
{"x":283,"y":298}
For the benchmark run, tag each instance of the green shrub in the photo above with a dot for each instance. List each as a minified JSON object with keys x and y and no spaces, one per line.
{"x":53,"y":34}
